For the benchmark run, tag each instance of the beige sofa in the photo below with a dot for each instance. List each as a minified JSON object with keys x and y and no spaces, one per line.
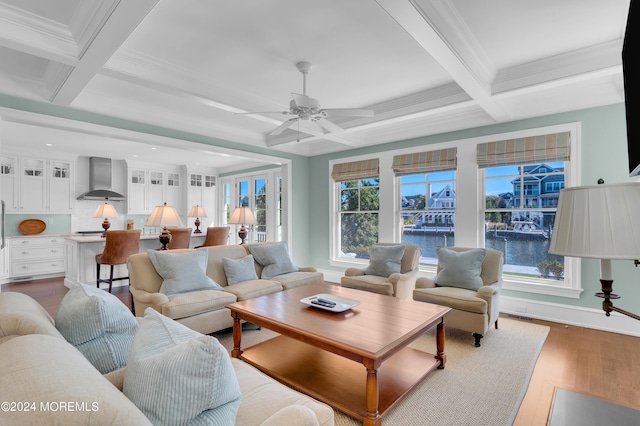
{"x":204,"y":311}
{"x":46,"y":380}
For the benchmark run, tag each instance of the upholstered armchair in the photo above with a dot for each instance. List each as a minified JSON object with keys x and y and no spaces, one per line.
{"x":468,"y":281}
{"x":392,"y":271}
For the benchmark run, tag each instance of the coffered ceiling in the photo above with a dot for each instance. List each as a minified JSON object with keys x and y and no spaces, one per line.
{"x":423,"y":66}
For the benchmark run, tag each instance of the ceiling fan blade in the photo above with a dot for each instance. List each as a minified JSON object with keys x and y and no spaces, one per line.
{"x":328,"y":125}
{"x":264,"y":112}
{"x":284,"y":126}
{"x":352,"y":112}
{"x":301,"y":101}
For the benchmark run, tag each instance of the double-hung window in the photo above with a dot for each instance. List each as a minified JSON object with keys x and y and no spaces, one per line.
{"x":427,"y":199}
{"x":522,"y":180}
{"x":359,"y":205}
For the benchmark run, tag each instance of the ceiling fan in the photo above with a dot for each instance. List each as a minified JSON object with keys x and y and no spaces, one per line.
{"x":303,"y":107}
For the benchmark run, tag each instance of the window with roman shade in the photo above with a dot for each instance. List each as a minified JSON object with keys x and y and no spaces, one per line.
{"x":356,"y":170}
{"x":424,"y":162}
{"x":527,"y":150}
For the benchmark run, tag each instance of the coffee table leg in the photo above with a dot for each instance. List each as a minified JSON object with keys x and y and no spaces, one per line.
{"x":237,"y":337}
{"x":440,"y":355}
{"x":372,"y":418}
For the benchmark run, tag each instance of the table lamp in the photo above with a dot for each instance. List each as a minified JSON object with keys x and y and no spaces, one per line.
{"x":197,"y":212}
{"x":164,"y":216}
{"x":105,"y":210}
{"x":242,"y":216}
{"x":600,"y":222}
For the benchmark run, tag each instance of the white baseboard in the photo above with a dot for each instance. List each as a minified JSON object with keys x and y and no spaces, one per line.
{"x":554,"y":312}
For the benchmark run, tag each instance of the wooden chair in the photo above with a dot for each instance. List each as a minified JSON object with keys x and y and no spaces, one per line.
{"x":216,"y":236}
{"x":119,"y":245}
{"x":180,"y":238}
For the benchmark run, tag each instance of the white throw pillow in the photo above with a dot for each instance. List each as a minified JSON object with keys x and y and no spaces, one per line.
{"x":177,"y":376}
{"x":182,"y":272}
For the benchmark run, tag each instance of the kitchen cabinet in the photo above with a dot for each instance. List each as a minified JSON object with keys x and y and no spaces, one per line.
{"x":38,"y":255}
{"x":150,"y":187}
{"x":36,"y":185}
{"x":202,"y":192}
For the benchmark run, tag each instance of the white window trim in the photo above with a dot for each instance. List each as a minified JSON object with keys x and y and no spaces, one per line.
{"x":467,"y":235}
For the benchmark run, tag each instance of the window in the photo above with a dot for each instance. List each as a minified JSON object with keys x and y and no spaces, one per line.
{"x":469,"y":195}
{"x":173,"y":179}
{"x":428,"y":202}
{"x":519,"y":217}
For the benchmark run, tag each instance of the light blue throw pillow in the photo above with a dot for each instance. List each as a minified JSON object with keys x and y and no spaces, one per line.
{"x":98,"y":324}
{"x":177,"y":376}
{"x":274,"y":259}
{"x":182,"y":272}
{"x":460,"y":269}
{"x":239,"y":270}
{"x":385,"y":260}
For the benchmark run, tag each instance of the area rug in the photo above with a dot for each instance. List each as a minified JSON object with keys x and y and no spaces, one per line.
{"x":479,"y":386}
{"x":571,"y":408}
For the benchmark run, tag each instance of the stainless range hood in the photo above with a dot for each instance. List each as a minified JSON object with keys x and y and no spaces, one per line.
{"x":100,"y":181}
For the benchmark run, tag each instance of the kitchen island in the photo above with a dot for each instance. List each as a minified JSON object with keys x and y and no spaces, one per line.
{"x":81,"y":251}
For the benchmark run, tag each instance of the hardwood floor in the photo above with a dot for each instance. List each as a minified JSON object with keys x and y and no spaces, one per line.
{"x":600,"y":364}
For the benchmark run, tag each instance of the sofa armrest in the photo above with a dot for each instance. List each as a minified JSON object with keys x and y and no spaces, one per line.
{"x":491,"y":294}
{"x":426,"y":282}
{"x":298,"y":415}
{"x":403,"y":284}
{"x":307,"y":269}
{"x":143,"y":299}
{"x":354,"y":272}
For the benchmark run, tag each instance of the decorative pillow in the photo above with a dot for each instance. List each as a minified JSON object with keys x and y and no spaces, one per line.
{"x":182,"y":272}
{"x":384,"y":260}
{"x":239,"y":270}
{"x":274,"y":259}
{"x":460,"y":269}
{"x":98,"y":324}
{"x":177,"y":376}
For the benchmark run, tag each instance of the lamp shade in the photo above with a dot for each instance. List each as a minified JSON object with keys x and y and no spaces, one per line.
{"x":105,"y":210}
{"x":242,"y":216}
{"x":164,"y":216}
{"x":197,"y":211}
{"x":599,"y":221}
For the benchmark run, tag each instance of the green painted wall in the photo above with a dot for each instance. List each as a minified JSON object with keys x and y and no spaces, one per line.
{"x":603,"y":155}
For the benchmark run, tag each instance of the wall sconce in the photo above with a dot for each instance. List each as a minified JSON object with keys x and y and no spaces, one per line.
{"x":105,"y":210}
{"x":197,"y":212}
{"x":242,"y":216}
{"x":164,"y":216}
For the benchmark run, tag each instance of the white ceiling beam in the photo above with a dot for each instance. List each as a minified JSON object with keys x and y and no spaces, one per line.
{"x":470,"y":71}
{"x":115,"y":30}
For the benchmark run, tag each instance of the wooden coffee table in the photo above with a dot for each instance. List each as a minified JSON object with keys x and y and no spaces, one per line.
{"x":316,"y":349}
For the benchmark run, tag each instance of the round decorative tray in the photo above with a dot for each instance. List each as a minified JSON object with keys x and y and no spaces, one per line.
{"x":32,"y":226}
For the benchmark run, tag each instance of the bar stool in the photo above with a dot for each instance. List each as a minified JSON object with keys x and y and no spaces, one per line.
{"x":119,"y":244}
{"x":216,"y":236}
{"x":180,"y":238}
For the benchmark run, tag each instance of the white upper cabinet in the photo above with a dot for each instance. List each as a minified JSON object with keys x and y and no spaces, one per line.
{"x":151,"y":186}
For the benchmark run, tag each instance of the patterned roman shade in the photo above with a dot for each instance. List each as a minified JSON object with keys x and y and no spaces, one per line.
{"x":425,"y":162}
{"x":533,"y":149}
{"x":356,"y":170}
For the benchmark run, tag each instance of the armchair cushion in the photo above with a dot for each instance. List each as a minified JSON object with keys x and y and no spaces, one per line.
{"x":98,"y":324}
{"x":182,"y":272}
{"x":384,"y":260}
{"x":274,"y":259}
{"x":239,"y":270}
{"x":178,"y":376}
{"x":460,"y":269}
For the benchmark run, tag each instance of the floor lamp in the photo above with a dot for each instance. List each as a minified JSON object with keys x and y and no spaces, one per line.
{"x":164,"y":216}
{"x":242,"y":216}
{"x":600,"y":222}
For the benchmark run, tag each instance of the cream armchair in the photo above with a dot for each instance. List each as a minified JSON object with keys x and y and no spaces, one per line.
{"x":472,"y":310}
{"x":398,"y":284}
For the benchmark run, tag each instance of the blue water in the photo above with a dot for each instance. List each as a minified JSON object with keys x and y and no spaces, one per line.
{"x":517,"y":252}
